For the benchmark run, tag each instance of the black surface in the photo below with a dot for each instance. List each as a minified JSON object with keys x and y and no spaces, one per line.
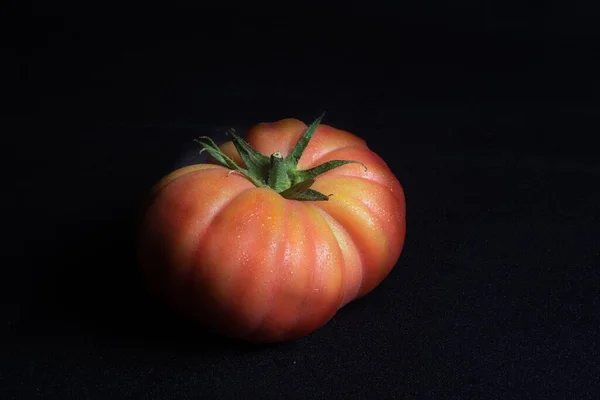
{"x":486,"y":115}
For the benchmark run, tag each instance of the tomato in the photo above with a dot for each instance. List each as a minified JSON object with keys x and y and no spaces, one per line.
{"x":280,"y":231}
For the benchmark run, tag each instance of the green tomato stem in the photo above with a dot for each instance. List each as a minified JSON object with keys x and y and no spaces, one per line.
{"x":279,"y":180}
{"x":275,"y":172}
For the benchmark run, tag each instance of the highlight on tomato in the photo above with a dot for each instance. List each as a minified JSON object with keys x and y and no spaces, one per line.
{"x":277,"y":233}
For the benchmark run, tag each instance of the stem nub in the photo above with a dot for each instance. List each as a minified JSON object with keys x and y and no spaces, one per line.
{"x":279,"y":179}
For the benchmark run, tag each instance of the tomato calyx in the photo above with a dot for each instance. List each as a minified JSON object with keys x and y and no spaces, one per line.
{"x":277,"y":172}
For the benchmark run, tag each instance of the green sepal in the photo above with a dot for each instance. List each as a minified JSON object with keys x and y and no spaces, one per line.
{"x":297,"y":189}
{"x":302,"y":191}
{"x":211,"y":147}
{"x":257,"y":163}
{"x":214,"y":150}
{"x":311,"y":195}
{"x":303,"y":175}
{"x":299,"y":148}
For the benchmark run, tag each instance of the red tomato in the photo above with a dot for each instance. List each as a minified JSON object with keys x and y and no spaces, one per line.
{"x":259,"y":245}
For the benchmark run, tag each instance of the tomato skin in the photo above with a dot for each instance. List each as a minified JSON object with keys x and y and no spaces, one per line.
{"x":247,"y":263}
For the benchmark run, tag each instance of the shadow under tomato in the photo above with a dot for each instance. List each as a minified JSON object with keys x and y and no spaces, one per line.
{"x":93,"y":288}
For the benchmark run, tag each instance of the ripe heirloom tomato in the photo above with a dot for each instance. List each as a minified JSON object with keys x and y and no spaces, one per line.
{"x":283,"y":229}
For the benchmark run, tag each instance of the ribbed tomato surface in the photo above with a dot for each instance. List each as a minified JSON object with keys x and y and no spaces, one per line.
{"x":248,"y":263}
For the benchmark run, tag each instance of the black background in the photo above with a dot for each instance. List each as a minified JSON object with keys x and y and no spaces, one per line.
{"x":485,"y":111}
